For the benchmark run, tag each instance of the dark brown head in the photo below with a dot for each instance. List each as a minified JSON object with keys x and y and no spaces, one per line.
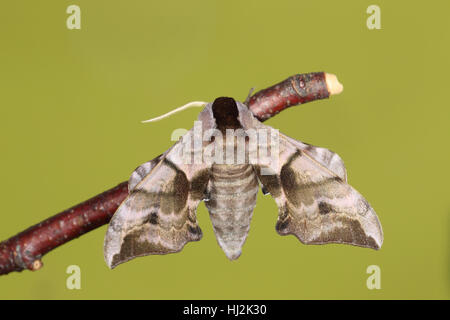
{"x":226,"y":113}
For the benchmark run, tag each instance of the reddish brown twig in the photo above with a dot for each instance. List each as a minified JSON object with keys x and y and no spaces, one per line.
{"x":295,"y":90}
{"x":25,"y":250}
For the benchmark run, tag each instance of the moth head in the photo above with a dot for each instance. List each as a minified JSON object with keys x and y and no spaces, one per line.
{"x":226,"y":113}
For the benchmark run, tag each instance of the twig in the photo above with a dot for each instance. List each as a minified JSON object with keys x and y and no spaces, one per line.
{"x":25,"y":250}
{"x":295,"y":90}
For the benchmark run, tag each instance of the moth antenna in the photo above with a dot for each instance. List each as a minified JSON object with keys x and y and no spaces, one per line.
{"x":186,"y":106}
{"x":247,"y":100}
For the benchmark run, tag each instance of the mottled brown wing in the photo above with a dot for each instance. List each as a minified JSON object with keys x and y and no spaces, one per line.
{"x":142,"y":171}
{"x":315,"y":202}
{"x":159,"y":215}
{"x":327,"y":158}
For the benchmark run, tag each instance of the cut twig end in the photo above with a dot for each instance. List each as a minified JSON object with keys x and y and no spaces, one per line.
{"x":333,"y":84}
{"x":37,"y":264}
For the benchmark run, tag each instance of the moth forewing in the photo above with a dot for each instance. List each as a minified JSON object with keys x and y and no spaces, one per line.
{"x":159,"y":215}
{"x":141,"y":172}
{"x":315,"y":202}
{"x":327,"y":158}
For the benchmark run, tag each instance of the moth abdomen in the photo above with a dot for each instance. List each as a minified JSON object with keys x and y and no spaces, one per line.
{"x":232,"y":191}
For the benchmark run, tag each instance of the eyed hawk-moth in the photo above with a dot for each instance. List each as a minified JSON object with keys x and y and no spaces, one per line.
{"x":308,"y":183}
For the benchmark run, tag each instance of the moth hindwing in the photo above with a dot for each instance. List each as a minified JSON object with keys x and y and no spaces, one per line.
{"x":308,"y":183}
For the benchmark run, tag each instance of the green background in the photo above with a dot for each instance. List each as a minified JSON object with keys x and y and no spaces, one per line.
{"x":72,"y":100}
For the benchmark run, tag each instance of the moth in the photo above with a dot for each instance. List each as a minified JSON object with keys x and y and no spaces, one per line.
{"x":308,"y":183}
